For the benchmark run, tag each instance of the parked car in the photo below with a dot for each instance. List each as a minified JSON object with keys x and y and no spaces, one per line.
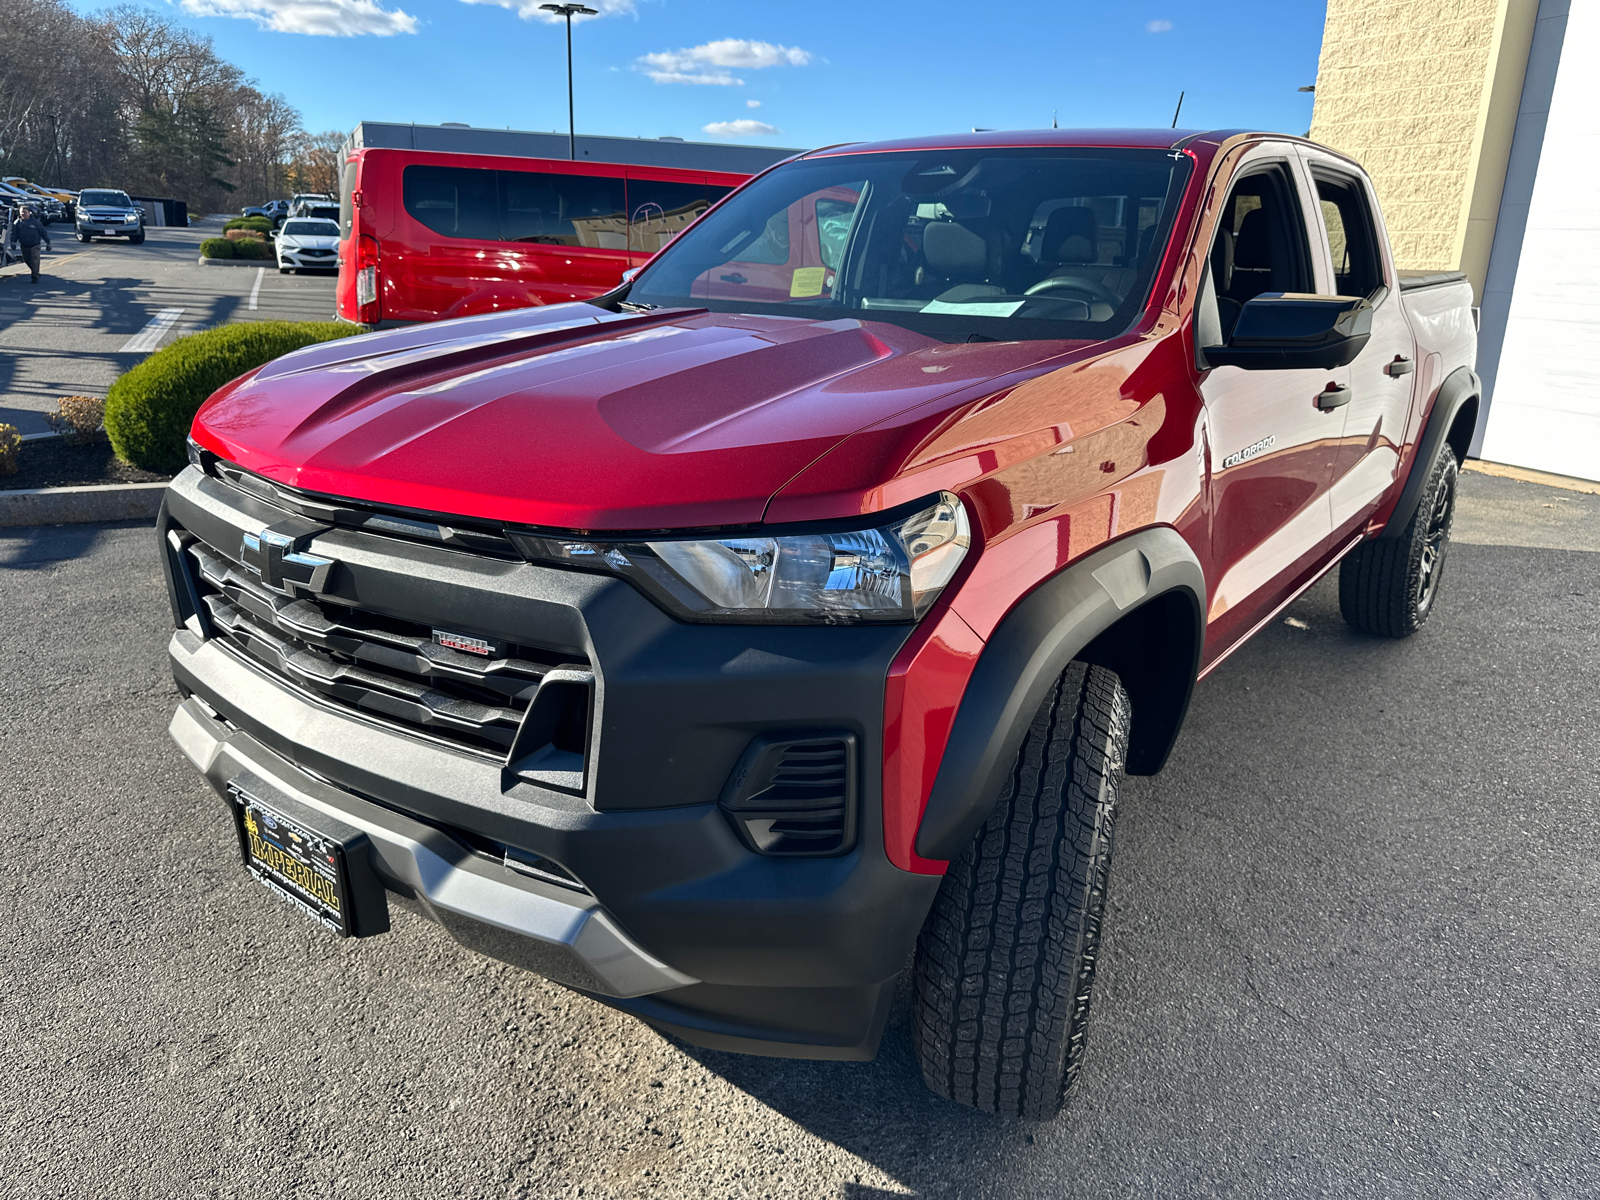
{"x":46,"y":208}
{"x":308,"y":242}
{"x":106,"y":212}
{"x":431,"y":235}
{"x":51,"y":206}
{"x":797,"y":607}
{"x":301,"y":202}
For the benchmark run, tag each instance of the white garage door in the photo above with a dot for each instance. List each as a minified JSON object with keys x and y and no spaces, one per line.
{"x":1546,"y":407}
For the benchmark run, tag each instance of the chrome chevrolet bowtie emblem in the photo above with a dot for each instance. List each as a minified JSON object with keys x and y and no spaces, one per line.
{"x":284,"y":567}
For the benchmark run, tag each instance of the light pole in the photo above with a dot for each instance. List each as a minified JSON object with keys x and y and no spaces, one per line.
{"x":569,"y":11}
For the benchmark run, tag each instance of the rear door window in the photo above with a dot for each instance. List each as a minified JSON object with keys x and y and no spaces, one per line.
{"x":535,"y":207}
{"x":1352,"y":238}
{"x":659,"y":209}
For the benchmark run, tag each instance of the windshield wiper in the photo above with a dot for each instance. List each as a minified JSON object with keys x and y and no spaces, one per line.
{"x":636,"y":306}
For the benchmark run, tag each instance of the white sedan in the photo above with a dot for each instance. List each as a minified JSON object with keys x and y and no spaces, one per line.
{"x":304,"y":242}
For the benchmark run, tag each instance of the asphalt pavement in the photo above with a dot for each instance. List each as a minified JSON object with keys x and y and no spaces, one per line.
{"x":100,"y":308}
{"x":1354,"y":948}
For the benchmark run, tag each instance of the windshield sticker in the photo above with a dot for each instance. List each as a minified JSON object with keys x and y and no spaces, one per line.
{"x":1250,"y":451}
{"x":974,"y":308}
{"x":807,"y":281}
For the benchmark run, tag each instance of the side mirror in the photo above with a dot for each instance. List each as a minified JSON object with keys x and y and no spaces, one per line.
{"x":1282,"y":330}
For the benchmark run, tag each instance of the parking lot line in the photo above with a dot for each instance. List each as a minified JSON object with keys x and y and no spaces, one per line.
{"x":255,"y":292}
{"x":148,"y":338}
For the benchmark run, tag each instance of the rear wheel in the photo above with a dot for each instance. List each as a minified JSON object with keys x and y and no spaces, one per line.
{"x":1388,"y":586}
{"x":1005,"y":961}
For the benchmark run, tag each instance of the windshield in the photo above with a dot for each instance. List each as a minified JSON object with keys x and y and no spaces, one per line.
{"x":959,"y":245}
{"x":312,"y":229}
{"x":109,"y":199}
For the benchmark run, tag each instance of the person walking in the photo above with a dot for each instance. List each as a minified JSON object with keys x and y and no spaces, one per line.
{"x":29,"y":235}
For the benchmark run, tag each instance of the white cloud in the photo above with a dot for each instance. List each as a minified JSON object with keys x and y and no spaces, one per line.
{"x":744,"y":127}
{"x":327,"y":18}
{"x":529,"y":10}
{"x":1159,"y":26}
{"x":709,"y":63}
{"x":752,"y":104}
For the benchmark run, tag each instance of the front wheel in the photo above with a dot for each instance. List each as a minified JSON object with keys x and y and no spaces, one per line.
{"x":1388,"y":586}
{"x":1005,"y":961}
{"x":84,"y":237}
{"x":136,"y":239}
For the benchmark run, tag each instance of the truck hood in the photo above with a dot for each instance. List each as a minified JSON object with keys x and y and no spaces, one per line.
{"x":572,"y":417}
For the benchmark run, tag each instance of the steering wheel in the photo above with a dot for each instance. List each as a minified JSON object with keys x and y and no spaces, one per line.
{"x":1071,"y":283}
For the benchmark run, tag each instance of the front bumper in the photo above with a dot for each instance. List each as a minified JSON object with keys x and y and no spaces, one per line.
{"x":301,"y":259}
{"x":696,"y":932}
{"x":555,"y":930}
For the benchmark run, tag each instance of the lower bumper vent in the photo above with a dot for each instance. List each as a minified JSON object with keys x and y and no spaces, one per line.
{"x":795,"y":796}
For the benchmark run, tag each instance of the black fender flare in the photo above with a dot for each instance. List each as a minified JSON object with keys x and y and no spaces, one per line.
{"x":1460,"y":388}
{"x":1056,"y":622}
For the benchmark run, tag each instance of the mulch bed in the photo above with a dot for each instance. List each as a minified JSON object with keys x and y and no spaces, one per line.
{"x":49,"y":462}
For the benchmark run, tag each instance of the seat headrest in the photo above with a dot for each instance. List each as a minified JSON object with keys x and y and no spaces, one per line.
{"x":956,"y":252}
{"x":1252,"y":245}
{"x":1071,"y":235}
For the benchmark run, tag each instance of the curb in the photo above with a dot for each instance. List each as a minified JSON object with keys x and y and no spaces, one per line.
{"x":1528,"y":476}
{"x":239,"y":262}
{"x":79,"y":505}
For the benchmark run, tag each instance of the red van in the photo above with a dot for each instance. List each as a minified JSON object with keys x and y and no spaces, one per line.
{"x":428,"y":235}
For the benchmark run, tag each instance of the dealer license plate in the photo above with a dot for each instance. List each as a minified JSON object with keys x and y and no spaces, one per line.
{"x":304,"y":867}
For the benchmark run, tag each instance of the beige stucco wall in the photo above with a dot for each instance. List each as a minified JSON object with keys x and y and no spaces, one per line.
{"x":1424,"y":94}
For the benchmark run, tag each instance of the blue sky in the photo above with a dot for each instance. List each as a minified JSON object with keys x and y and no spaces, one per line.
{"x":812,"y":73}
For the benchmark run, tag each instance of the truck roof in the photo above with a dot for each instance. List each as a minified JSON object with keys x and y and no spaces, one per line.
{"x":1130,"y":139}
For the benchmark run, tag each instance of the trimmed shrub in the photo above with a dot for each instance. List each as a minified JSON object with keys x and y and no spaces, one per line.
{"x":259,"y":224}
{"x":78,"y":419}
{"x":216,"y":248}
{"x":10,"y":447}
{"x":149,"y":410}
{"x":253,"y":249}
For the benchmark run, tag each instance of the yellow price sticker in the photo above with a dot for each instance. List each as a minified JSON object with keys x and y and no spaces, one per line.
{"x":806,"y":281}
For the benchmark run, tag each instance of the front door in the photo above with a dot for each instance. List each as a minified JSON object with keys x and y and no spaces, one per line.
{"x":1271,"y":449}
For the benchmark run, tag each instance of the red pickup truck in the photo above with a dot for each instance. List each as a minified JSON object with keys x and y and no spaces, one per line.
{"x":716,"y":645}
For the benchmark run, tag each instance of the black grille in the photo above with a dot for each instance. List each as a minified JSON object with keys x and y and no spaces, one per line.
{"x":795,"y":796}
{"x":381,"y":666}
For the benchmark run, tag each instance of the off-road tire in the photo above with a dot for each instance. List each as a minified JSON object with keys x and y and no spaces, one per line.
{"x":1005,"y":962}
{"x":1389,"y":586}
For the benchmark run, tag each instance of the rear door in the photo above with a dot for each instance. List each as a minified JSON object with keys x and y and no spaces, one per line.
{"x":1382,"y":377}
{"x":1271,"y":451}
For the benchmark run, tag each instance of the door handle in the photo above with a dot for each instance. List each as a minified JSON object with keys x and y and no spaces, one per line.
{"x":1400,"y":366}
{"x":1333,"y":396}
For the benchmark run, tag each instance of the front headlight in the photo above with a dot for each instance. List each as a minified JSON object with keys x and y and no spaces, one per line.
{"x":892,"y":571}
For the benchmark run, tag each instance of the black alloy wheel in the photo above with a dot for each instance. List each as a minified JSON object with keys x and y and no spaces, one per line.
{"x":1388,"y":586}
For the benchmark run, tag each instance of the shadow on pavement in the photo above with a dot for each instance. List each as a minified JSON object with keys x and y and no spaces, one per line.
{"x":880,"y":1111}
{"x":35,"y":547}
